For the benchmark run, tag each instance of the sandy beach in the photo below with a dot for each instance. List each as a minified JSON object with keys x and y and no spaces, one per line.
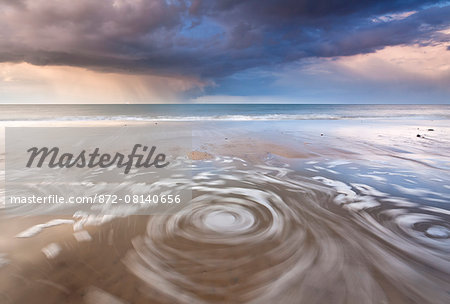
{"x":279,"y":212}
{"x":224,"y":152}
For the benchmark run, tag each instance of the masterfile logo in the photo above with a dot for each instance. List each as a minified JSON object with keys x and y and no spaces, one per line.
{"x":38,"y":156}
{"x":136,"y":170}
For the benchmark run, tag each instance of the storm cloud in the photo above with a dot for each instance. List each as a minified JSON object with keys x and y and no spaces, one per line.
{"x":208,"y":39}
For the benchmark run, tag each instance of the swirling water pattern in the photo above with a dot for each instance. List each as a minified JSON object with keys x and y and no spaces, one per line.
{"x":265,"y":234}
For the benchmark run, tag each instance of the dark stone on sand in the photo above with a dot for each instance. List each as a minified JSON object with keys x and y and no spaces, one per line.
{"x":418,"y":135}
{"x":321,"y":134}
{"x":430,"y":130}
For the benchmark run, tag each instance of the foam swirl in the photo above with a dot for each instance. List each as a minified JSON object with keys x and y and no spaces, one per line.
{"x":264,"y":234}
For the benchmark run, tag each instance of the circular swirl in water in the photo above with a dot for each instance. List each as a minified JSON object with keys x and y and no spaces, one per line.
{"x":264,"y":235}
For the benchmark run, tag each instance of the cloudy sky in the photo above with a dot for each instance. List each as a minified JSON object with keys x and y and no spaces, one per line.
{"x":224,"y":51}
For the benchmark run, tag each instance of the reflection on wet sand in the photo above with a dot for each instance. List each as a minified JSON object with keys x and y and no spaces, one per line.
{"x":264,"y":235}
{"x":282,"y":230}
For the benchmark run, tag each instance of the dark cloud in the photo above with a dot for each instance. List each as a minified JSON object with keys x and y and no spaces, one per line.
{"x":288,"y":9}
{"x":206,"y":38}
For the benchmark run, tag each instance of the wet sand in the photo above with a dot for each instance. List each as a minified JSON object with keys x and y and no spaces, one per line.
{"x":32,"y":278}
{"x":270,"y":231}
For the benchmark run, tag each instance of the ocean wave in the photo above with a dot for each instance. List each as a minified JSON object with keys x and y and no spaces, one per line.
{"x":265,"y":117}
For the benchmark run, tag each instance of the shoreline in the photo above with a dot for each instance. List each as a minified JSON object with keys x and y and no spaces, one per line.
{"x":334,"y":165}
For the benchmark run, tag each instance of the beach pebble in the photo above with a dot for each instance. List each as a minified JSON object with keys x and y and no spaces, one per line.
{"x":51,"y":251}
{"x":418,"y":135}
{"x":430,"y":130}
{"x":82,"y":236}
{"x":437,"y":232}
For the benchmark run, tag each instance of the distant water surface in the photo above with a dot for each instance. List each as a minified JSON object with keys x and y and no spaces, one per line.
{"x":193,"y":112}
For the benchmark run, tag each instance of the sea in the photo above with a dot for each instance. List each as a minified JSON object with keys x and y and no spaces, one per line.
{"x":289,"y":204}
{"x":239,"y":112}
